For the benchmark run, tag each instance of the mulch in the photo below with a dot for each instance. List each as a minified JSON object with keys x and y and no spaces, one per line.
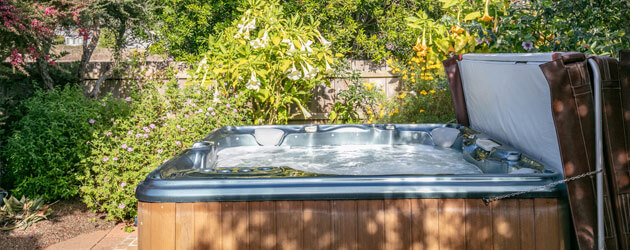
{"x":69,"y":219}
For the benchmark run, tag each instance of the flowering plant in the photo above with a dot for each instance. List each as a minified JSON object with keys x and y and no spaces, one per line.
{"x":274,"y":59}
{"x":148,"y":128}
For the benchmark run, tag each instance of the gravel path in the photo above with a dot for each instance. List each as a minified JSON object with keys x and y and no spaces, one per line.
{"x":69,"y":219}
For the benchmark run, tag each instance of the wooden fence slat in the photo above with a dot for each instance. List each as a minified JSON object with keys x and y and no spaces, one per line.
{"x":452,"y":223}
{"x":425,"y":230}
{"x":371,"y":220}
{"x":234,"y":225}
{"x":184,"y":224}
{"x":318,"y":230}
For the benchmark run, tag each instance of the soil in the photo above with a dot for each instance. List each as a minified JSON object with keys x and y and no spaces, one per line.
{"x":68,"y":220}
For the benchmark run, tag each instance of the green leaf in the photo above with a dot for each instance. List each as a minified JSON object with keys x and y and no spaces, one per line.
{"x":472,"y":16}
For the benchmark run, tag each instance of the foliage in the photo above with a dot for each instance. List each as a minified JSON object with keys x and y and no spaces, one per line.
{"x":22,"y":213}
{"x":359,"y":99}
{"x":274,"y":59}
{"x":47,"y":144}
{"x":145,"y":130}
{"x":184,"y":25}
{"x":600,"y":27}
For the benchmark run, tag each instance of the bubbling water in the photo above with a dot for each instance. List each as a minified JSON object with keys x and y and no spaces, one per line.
{"x":351,"y":159}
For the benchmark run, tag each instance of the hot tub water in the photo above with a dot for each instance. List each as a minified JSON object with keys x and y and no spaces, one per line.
{"x":351,"y":159}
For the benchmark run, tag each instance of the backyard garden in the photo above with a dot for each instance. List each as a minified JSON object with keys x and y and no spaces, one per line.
{"x":67,"y":138}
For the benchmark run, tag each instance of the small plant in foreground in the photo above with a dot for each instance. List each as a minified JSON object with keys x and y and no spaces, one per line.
{"x":22,"y":213}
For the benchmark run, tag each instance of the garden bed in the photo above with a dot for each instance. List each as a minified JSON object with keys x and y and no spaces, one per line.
{"x":69,"y":219}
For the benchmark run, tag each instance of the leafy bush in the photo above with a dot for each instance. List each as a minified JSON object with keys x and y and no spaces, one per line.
{"x":22,"y":213}
{"x":49,"y":141}
{"x":274,"y":59}
{"x":151,"y":126}
{"x":357,"y":102}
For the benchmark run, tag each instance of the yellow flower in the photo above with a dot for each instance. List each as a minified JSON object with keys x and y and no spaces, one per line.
{"x":391,"y":114}
{"x":432,"y":91}
{"x":389,"y":61}
{"x":485,"y":18}
{"x":404,"y":77}
{"x":422,"y":111}
{"x":396,"y":111}
{"x":380,"y":106}
{"x":368,"y":107}
{"x":457,"y":30}
{"x":338,"y":55}
{"x":423,"y":92}
{"x":413,"y":79}
{"x":369,"y":112}
{"x":368,"y":86}
{"x":411,"y":67}
{"x":423,"y":68}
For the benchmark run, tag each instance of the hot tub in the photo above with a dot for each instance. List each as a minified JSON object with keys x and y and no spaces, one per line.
{"x":398,"y":186}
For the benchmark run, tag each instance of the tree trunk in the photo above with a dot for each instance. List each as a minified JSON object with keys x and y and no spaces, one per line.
{"x":88,"y":49}
{"x":42,"y":65}
{"x":120,"y":43}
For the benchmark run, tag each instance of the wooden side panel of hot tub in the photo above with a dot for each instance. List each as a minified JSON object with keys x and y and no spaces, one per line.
{"x":355,"y":224}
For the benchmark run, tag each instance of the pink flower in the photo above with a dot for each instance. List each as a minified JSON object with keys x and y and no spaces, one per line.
{"x":130,"y":132}
{"x":108,"y":133}
{"x":234,"y":110}
{"x":527,"y":45}
{"x":121,"y":206}
{"x":115,"y":137}
{"x":147,"y":143}
{"x":145,"y":135}
{"x":213,"y":113}
{"x":152,"y":126}
{"x":159,"y":151}
{"x":207,"y":114}
{"x":91,"y":121}
{"x":124,"y":146}
{"x":146,"y":129}
{"x":105,"y":159}
{"x":178,"y":126}
{"x":123,"y":184}
{"x":164,"y":161}
{"x":115,"y":159}
{"x":178,"y":143}
{"x":227,"y":105}
{"x":138,"y":135}
{"x":129,"y":149}
{"x":186,"y":116}
{"x":210,"y":109}
{"x":52,"y":63}
{"x":106,"y":179}
{"x":104,"y":106}
{"x":128,"y":99}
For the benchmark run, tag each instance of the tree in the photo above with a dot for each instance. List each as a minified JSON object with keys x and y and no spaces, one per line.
{"x":27,"y":32}
{"x":120,"y":17}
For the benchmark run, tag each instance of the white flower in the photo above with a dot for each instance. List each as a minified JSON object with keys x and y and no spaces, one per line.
{"x":265,"y":37}
{"x":328,"y":70}
{"x":291,"y":49}
{"x":286,"y":40}
{"x":309,"y":71}
{"x":257,"y":43}
{"x":307,"y":46}
{"x":251,"y":25}
{"x":323,"y":41}
{"x":412,"y":93}
{"x":294,"y":74}
{"x":253,"y":82}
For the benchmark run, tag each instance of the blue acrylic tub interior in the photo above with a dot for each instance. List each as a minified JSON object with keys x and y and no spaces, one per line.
{"x":313,"y":162}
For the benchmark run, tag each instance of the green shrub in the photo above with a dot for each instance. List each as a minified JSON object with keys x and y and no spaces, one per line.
{"x":43,"y":152}
{"x":153,"y":125}
{"x":273,"y":58}
{"x":358,"y":101}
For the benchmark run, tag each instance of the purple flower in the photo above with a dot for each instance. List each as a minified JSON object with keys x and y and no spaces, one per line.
{"x":145,"y":135}
{"x":106,"y":179}
{"x":123,"y":184}
{"x":152,"y":126}
{"x":210,"y":109}
{"x":138,"y":135}
{"x":129,"y":149}
{"x":130,"y":132}
{"x":128,"y":99}
{"x":147,"y":143}
{"x":207,"y":114}
{"x":105,"y":159}
{"x":91,"y":121}
{"x":115,"y":159}
{"x":259,"y":120}
{"x":178,"y":143}
{"x":103,"y":104}
{"x":164,"y":161}
{"x":115,"y":137}
{"x":98,"y":116}
{"x":216,"y":94}
{"x":111,"y":119}
{"x":108,"y":133}
{"x":527,"y":45}
{"x":186,"y":116}
{"x":199,"y":110}
{"x":124,"y":146}
{"x":213,"y":113}
{"x":234,"y":110}
{"x":121,"y":206}
{"x":227,"y":105}
{"x":235,"y":115}
{"x":146,"y":129}
{"x":170,"y":59}
{"x":236,"y":96}
{"x":178,"y":126}
{"x":159,"y":151}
